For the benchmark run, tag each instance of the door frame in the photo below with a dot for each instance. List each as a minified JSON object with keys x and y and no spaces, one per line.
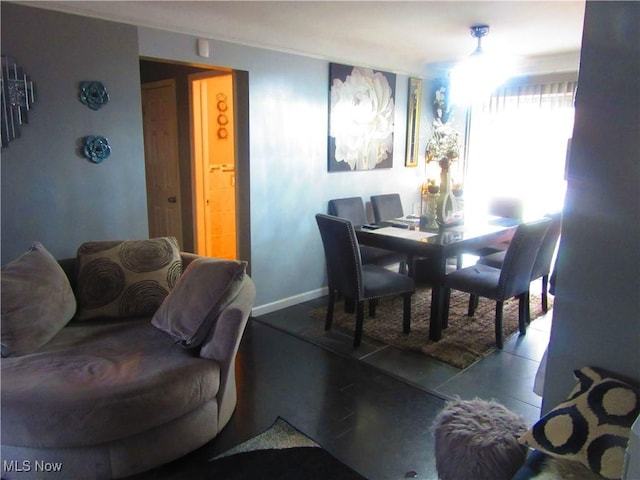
{"x":243,"y":171}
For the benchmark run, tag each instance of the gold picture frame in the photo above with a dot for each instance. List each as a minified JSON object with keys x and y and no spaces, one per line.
{"x":413,"y":122}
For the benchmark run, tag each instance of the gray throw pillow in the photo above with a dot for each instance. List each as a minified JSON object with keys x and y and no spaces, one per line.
{"x":206,"y":287}
{"x":126,"y":278}
{"x":37,"y":301}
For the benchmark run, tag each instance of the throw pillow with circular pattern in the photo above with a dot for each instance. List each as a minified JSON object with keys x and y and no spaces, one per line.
{"x":592,"y":426}
{"x":126,"y":278}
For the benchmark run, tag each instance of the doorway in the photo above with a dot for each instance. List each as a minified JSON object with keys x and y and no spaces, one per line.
{"x":191,"y":203}
{"x":214,"y":164}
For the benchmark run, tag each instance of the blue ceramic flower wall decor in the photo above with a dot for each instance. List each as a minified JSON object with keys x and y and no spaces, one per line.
{"x":96,"y":148}
{"x":93,"y":94}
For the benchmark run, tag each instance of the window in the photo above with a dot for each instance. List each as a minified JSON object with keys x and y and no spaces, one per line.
{"x":517,"y":147}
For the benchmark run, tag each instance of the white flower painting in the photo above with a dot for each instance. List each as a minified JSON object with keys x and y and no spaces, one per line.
{"x":360,"y":118}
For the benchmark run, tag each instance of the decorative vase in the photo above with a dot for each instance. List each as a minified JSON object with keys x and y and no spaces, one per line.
{"x":429,"y":208}
{"x":446,"y":201}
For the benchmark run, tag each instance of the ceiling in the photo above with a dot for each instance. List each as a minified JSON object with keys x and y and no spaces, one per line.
{"x":410,"y":37}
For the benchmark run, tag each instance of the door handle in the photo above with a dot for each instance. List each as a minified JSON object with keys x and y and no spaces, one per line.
{"x":172,"y":200}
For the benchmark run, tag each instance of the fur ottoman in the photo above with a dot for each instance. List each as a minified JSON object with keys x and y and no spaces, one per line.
{"x":478,"y":440}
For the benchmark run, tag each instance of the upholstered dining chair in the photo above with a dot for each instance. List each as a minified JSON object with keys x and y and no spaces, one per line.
{"x":352,"y":209}
{"x":386,"y":207}
{"x":501,"y":284}
{"x":360,"y":282}
{"x":509,"y":208}
{"x":506,"y":207}
{"x":542,"y":266}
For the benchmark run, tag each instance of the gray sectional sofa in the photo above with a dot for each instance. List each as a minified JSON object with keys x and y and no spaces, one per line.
{"x":109,"y":397}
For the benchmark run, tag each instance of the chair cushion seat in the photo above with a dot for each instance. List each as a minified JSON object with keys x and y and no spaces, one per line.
{"x":379,"y":281}
{"x":480,"y":279}
{"x":95,"y":383}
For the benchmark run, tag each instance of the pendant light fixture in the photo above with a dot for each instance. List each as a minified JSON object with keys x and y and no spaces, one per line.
{"x":479,"y":74}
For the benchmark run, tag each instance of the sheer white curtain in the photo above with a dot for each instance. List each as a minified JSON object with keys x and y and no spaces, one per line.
{"x":517,"y":146}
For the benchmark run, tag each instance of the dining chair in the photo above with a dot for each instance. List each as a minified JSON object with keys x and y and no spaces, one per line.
{"x":360,"y":282}
{"x":501,"y":284}
{"x":506,"y":207}
{"x":542,"y":265}
{"x":386,"y":207}
{"x":352,"y":209}
{"x":509,"y":208}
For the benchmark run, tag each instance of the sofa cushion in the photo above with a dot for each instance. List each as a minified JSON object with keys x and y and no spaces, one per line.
{"x":101,"y":381}
{"x":592,"y":426}
{"x":37,"y":301}
{"x":126,"y":278}
{"x":206,"y":287}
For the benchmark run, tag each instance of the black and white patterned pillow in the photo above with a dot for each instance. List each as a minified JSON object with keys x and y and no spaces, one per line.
{"x":592,"y":426}
{"x":126,"y":278}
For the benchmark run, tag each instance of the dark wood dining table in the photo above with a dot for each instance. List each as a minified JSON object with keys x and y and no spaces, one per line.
{"x":436,"y":246}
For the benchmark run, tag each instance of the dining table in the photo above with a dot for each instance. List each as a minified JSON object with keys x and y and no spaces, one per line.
{"x":436,"y":246}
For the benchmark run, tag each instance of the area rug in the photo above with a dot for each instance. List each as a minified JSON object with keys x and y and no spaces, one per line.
{"x":280,"y":453}
{"x":466,"y":340}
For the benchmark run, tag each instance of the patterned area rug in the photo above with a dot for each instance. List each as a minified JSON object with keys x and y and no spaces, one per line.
{"x":282,"y":452}
{"x":466,"y":340}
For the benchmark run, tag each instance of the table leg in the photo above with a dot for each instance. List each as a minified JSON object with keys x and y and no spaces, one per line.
{"x":437,"y":299}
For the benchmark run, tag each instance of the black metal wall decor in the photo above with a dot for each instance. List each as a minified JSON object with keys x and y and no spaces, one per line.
{"x":17,"y":97}
{"x":93,"y":94}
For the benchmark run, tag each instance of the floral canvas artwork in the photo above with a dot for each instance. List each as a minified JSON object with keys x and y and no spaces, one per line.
{"x":361,"y":113}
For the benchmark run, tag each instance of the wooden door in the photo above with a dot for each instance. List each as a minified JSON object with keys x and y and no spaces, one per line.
{"x":161,"y":159}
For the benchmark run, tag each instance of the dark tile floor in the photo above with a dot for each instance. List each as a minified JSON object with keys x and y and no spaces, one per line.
{"x":373,"y":422}
{"x":372,"y":407}
{"x":506,"y":376}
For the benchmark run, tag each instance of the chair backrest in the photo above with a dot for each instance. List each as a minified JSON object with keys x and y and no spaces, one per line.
{"x":542,"y":265}
{"x":342,"y":254}
{"x":507,"y":207}
{"x":386,"y":207}
{"x":515,"y":274}
{"x":351,"y":209}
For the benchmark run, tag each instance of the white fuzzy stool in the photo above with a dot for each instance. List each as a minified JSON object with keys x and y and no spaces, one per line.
{"x":478,"y":440}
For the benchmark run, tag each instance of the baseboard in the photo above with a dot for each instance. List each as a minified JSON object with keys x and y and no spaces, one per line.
{"x":288,"y":302}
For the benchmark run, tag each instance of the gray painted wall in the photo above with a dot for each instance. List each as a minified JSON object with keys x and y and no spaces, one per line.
{"x":596,"y":317}
{"x":51,"y":193}
{"x":288,"y":146}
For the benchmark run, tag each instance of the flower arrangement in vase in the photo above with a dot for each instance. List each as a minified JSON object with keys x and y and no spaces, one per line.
{"x":443,"y":147}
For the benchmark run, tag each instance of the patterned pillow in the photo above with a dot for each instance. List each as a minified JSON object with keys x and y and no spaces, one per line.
{"x":592,"y":426}
{"x":129,"y":278}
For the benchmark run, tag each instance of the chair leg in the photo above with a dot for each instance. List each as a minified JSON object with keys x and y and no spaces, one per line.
{"x":528,"y":308}
{"x":357,"y":337}
{"x":523,"y":301}
{"x":406,"y":313}
{"x":332,"y":301}
{"x":373,"y":303}
{"x":545,"y":290}
{"x":499,"y":342}
{"x":473,"y":304}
